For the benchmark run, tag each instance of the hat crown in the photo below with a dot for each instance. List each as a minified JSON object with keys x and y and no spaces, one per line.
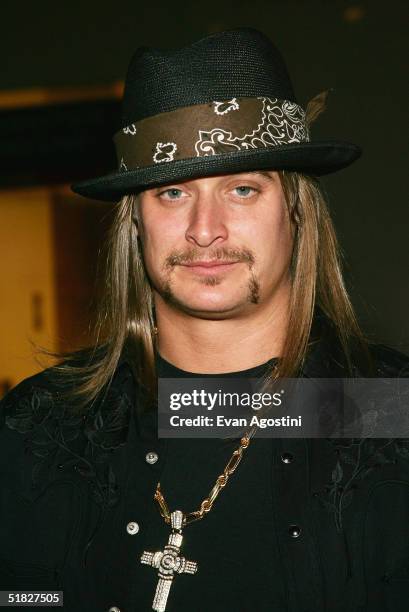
{"x":236,"y":63}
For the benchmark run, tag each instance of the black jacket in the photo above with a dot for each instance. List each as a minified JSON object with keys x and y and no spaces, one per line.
{"x":305,"y":525}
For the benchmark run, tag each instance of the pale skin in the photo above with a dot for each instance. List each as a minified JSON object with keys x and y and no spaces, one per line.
{"x":217,"y":251}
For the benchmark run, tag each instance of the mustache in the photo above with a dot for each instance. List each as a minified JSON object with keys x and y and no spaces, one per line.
{"x":223,"y":254}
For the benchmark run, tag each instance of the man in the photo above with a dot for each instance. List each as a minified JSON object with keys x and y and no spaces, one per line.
{"x":222,"y":263}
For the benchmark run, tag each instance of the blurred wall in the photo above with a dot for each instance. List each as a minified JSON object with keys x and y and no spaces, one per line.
{"x":28,"y":304}
{"x":50,"y":242}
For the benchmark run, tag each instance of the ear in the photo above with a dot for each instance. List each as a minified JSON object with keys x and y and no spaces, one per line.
{"x":135,"y":226}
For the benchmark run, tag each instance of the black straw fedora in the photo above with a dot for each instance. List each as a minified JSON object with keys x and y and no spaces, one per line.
{"x":221,"y":105}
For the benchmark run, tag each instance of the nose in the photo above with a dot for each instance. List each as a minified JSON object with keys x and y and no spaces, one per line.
{"x":207,"y":223}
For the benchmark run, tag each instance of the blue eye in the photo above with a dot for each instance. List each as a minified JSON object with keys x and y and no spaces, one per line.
{"x":244,"y":190}
{"x":172,"y":194}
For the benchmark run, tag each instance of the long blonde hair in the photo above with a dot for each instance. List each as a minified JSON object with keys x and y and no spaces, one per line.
{"x":125,"y":321}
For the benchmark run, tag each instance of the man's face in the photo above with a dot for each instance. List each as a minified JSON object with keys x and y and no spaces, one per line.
{"x":217,"y":247}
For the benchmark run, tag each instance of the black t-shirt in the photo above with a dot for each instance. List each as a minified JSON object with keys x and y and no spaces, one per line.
{"x":235,"y":545}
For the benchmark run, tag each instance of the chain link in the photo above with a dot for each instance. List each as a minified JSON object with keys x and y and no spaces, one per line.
{"x":220,"y":483}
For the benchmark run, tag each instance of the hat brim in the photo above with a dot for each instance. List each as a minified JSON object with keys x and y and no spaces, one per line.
{"x":314,"y":158}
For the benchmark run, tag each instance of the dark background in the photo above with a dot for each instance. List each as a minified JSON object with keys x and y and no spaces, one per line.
{"x":356,"y":48}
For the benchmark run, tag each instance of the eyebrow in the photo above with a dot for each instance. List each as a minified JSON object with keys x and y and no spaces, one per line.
{"x":262,"y":173}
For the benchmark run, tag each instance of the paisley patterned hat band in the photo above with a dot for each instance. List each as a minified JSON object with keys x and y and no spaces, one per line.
{"x":216,"y":128}
{"x":223,"y":104}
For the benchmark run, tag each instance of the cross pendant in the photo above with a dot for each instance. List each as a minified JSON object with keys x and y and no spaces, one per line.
{"x":168,"y":562}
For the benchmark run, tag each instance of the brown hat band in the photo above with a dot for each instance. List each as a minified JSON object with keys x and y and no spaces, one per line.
{"x":215,"y":128}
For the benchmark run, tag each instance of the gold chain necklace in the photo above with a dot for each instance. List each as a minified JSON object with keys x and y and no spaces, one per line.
{"x":168,"y":561}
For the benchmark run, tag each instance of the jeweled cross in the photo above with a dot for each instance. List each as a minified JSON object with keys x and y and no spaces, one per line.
{"x":168,"y":562}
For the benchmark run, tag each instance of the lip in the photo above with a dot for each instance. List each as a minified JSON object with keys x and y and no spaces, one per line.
{"x":209,"y":267}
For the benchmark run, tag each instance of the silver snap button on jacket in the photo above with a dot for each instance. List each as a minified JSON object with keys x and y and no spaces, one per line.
{"x":151,"y":457}
{"x":132,"y":527}
{"x":287,"y":458}
{"x":114,"y":609}
{"x":294,"y":531}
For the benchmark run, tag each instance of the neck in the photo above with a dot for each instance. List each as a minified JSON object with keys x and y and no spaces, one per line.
{"x":224,"y":345}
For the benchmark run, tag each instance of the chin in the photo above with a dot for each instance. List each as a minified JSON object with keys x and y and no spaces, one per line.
{"x":208,"y":309}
